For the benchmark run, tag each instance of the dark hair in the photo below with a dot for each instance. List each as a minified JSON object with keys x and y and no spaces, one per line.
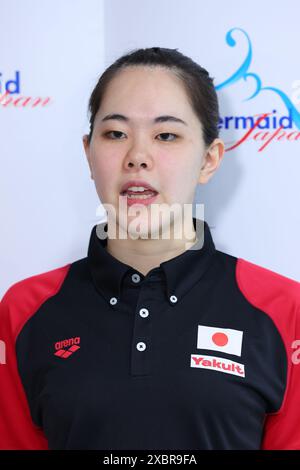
{"x":195,"y":79}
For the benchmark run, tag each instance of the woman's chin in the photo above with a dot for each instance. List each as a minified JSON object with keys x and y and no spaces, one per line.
{"x":140,"y":228}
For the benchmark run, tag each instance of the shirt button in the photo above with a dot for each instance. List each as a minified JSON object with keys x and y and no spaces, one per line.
{"x":113,"y":301}
{"x":173,"y":299}
{"x":136,"y":278}
{"x":141,"y":346}
{"x":144,"y":312}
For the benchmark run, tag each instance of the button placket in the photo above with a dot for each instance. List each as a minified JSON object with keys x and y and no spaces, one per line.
{"x":141,"y":354}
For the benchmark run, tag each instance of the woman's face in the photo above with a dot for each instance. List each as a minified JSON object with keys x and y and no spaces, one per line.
{"x":168,"y":154}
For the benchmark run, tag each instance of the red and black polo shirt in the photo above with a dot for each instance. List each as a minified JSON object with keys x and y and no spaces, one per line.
{"x":201,"y":353}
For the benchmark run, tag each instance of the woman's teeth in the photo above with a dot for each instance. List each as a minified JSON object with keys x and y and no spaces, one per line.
{"x":139,"y":196}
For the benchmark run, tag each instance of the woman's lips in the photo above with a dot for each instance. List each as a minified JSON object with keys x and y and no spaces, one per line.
{"x":136,"y":200}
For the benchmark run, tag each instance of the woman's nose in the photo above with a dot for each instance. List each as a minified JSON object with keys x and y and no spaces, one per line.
{"x":138,"y":158}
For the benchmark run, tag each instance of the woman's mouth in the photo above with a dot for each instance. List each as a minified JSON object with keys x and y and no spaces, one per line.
{"x":146,"y":197}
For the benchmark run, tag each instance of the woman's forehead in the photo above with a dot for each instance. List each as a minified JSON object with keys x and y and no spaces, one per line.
{"x":138,"y":95}
{"x":145,"y":81}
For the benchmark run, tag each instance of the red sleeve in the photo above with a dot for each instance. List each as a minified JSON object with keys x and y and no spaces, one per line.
{"x":282,"y":429}
{"x":20,"y":302}
{"x":279,"y":297}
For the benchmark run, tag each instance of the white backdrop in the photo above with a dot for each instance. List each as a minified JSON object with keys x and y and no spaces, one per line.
{"x":48,"y":201}
{"x":47,"y":198}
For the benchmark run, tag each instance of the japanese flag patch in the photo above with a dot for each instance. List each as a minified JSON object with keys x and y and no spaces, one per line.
{"x":220,"y":339}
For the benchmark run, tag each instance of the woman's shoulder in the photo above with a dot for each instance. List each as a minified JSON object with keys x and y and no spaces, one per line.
{"x":270,"y":291}
{"x":254,"y":276}
{"x":41,"y":283}
{"x":25,"y":296}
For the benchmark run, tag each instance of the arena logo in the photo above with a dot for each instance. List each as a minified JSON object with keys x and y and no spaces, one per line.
{"x":10,"y":91}
{"x":264,"y":127}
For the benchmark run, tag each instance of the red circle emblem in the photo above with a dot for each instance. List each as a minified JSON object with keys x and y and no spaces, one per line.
{"x":220,"y":339}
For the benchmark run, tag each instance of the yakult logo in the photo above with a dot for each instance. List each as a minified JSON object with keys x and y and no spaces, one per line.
{"x":218,"y":364}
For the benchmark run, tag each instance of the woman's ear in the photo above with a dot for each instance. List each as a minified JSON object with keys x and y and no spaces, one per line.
{"x":212,"y":160}
{"x":86,"y":146}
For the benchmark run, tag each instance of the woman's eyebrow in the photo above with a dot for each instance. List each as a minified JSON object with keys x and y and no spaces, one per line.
{"x":165,"y":118}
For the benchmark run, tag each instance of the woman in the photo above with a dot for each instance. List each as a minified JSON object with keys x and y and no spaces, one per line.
{"x":155,"y":340}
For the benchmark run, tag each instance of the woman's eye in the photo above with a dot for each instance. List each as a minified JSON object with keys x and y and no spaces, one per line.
{"x":118,"y":136}
{"x":168,"y":134}
{"x":114,"y":132}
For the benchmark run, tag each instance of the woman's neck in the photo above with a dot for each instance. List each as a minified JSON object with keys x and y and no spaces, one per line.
{"x":146,"y":254}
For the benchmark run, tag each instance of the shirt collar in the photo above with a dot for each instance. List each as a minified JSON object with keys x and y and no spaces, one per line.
{"x":181,"y":272}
